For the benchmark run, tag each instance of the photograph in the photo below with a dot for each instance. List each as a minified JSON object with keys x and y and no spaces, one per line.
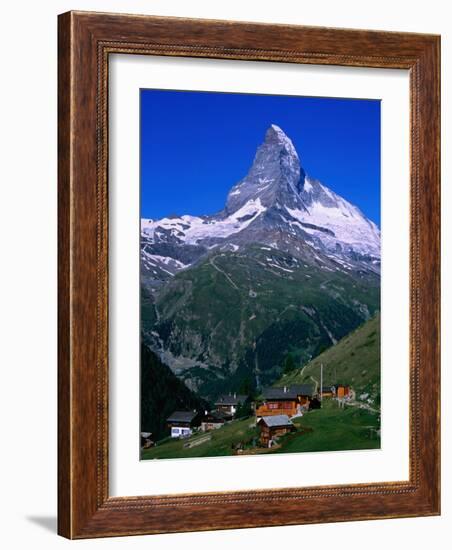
{"x":260,"y":264}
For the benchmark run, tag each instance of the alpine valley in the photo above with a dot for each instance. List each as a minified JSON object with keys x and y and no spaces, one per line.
{"x":287,"y":267}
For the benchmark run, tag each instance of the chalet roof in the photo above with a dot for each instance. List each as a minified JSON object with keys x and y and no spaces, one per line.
{"x":276,"y":421}
{"x":303,"y":389}
{"x":288,"y":392}
{"x":217,"y":415}
{"x":233,"y":399}
{"x":182,"y":416}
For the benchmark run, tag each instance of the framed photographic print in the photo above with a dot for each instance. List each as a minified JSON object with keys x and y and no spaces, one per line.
{"x":242,"y":293}
{"x":248,"y":275}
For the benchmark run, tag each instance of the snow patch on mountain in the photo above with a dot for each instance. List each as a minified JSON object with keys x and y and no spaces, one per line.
{"x":192,"y":229}
{"x":307,"y":185}
{"x":164,"y":260}
{"x":337,"y":223}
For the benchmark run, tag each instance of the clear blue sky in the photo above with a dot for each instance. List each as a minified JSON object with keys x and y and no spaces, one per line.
{"x":196,"y":145}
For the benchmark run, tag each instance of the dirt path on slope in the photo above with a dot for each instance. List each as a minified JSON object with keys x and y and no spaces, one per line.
{"x":214,"y":265}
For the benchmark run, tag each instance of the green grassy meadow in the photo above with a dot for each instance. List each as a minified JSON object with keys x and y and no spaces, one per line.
{"x":334,"y":429}
{"x":220,"y":444}
{"x":327,"y":429}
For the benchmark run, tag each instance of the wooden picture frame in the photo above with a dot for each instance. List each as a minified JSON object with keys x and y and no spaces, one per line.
{"x":86,"y":40}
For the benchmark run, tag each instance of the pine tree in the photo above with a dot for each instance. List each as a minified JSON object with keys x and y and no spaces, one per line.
{"x":289,"y":364}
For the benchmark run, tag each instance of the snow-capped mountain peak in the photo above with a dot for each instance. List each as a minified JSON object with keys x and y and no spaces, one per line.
{"x":274,"y":134}
{"x":274,"y":175}
{"x":275,"y":204}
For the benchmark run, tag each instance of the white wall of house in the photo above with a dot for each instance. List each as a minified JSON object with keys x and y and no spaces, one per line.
{"x":180,"y":431}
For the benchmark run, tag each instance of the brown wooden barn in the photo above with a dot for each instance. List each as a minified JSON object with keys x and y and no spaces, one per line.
{"x":289,"y":400}
{"x":272,"y":427}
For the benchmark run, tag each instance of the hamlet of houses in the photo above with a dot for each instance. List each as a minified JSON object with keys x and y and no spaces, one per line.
{"x":273,"y":411}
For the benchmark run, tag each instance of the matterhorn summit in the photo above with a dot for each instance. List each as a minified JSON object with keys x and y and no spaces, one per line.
{"x":276,"y":204}
{"x":273,"y":176}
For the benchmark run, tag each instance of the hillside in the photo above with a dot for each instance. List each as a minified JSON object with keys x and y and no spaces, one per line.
{"x":327,"y":429}
{"x":354,"y":360}
{"x":237,"y":314}
{"x":221,"y":442}
{"x":161,"y":394}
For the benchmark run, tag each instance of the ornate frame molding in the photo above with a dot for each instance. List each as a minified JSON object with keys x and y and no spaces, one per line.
{"x":85,"y":42}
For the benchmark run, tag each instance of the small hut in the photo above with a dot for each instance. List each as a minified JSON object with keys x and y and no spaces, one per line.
{"x":213,"y":420}
{"x":272,"y":427}
{"x":328,"y":391}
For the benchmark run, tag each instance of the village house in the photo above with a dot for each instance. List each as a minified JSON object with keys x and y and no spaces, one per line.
{"x":342,"y":390}
{"x":272,"y":427}
{"x":229,"y":404}
{"x":213,"y":420}
{"x":182,"y":423}
{"x":288,"y":400}
{"x":336,"y":390}
{"x":328,"y":391}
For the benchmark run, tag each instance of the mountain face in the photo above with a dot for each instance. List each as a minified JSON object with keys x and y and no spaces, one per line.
{"x":287,"y":265}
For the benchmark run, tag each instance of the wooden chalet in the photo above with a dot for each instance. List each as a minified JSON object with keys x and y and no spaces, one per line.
{"x":272,"y":427}
{"x":228,"y":404}
{"x":182,"y":423}
{"x":342,"y":390}
{"x":328,"y":391}
{"x":213,"y":420}
{"x":336,"y":390}
{"x":288,"y":400}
